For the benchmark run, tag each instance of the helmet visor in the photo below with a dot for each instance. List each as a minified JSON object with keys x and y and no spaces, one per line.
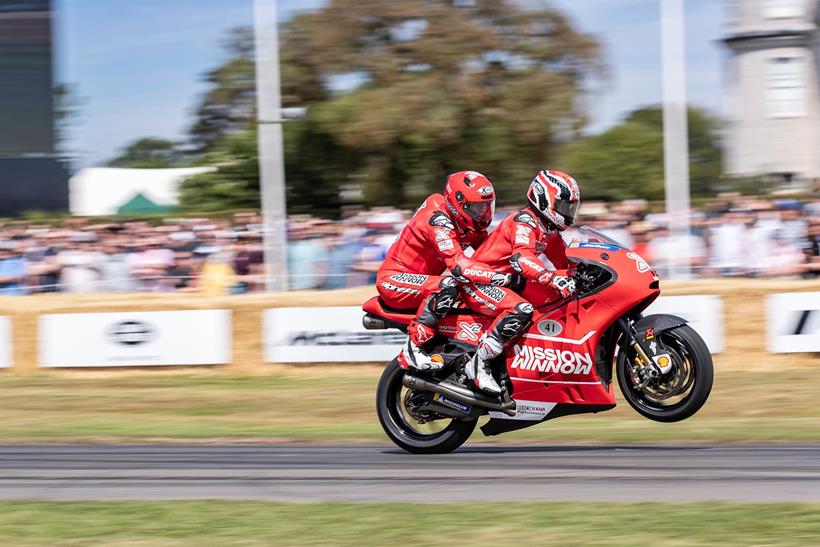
{"x":481,"y":212}
{"x":568,"y":210}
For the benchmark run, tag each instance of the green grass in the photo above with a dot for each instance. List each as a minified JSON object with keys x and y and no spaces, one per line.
{"x":256,"y":523}
{"x":337,"y":405}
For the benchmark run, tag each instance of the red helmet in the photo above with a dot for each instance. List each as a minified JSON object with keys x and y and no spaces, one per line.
{"x":470,"y":200}
{"x":555,"y":197}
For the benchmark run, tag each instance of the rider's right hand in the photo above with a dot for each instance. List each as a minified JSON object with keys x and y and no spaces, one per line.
{"x":563,"y":285}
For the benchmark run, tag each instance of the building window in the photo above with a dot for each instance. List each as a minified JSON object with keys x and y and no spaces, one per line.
{"x":786,"y":87}
{"x":782,"y":9}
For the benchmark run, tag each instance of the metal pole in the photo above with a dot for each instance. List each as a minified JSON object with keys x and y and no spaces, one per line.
{"x":271,"y":154}
{"x":675,"y":128}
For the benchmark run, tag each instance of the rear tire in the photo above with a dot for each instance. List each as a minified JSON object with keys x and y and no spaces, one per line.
{"x":692,"y":357}
{"x":394,"y":422}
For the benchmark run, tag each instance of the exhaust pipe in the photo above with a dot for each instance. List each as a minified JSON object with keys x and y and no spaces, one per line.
{"x":459,"y":393}
{"x":371,"y":322}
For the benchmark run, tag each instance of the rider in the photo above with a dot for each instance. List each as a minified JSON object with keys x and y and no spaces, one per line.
{"x":515,"y":246}
{"x":432,"y":242}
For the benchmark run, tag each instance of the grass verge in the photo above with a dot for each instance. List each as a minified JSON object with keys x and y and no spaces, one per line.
{"x":337,"y":405}
{"x":255,"y":523}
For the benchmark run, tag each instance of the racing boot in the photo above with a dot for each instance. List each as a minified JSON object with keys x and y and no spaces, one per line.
{"x":413,"y":357}
{"x":478,"y":369}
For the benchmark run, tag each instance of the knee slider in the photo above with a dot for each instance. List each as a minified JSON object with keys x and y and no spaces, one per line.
{"x":448,"y":283}
{"x":512,"y":324}
{"x":439,"y":303}
{"x":524,"y":310}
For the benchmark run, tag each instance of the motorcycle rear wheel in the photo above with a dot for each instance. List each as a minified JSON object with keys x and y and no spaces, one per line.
{"x":693,"y":361}
{"x":403,"y":431}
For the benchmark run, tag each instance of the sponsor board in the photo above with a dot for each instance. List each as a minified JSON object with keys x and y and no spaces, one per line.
{"x":703,"y":312}
{"x":793,"y":322}
{"x":526,"y":410}
{"x":6,"y":348}
{"x":195,"y":337}
{"x":326,"y":335}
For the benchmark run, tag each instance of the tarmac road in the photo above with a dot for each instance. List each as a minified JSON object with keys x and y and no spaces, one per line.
{"x":384,"y":473}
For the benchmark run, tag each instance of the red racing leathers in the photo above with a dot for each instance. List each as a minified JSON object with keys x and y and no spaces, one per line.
{"x":411,"y":274}
{"x":516,"y":244}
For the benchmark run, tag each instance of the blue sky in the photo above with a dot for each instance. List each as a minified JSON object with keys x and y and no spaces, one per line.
{"x":138,"y":65}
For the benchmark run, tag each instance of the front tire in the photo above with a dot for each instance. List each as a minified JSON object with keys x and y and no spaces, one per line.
{"x":401,"y":428}
{"x":680,"y":393}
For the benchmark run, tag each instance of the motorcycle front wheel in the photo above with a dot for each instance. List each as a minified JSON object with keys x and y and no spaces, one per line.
{"x":681,"y":392}
{"x":434,"y":437}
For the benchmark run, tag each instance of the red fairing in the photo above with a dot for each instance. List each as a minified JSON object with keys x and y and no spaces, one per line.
{"x":555,"y":360}
{"x":430,"y":244}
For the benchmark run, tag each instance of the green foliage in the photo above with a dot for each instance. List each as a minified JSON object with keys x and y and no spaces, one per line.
{"x":150,"y":153}
{"x":235,"y":183}
{"x":491,"y":87}
{"x":230,"y":104}
{"x":626,"y":161}
{"x":67,"y":109}
{"x":445,"y":88}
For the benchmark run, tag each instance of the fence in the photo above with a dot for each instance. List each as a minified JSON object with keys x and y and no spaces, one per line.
{"x":239,"y":334}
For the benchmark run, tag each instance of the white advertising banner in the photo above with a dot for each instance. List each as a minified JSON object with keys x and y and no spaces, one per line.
{"x":336,"y":334}
{"x":326,"y":335}
{"x":6,"y":343}
{"x":793,"y":322}
{"x":704,"y":313}
{"x":195,"y":337}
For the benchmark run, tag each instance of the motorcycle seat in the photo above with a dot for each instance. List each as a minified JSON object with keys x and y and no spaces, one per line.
{"x":376,"y":307}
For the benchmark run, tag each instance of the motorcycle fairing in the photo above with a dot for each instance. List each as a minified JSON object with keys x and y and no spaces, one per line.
{"x":561,"y":368}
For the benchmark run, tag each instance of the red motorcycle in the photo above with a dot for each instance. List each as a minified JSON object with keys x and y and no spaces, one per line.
{"x":564,"y":364}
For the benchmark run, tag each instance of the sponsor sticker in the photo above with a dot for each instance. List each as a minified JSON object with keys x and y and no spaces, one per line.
{"x":525,"y":218}
{"x":639,"y":262}
{"x":650,"y":334}
{"x":409,"y":278}
{"x":552,"y":360}
{"x":493,"y":293}
{"x":594,"y":245}
{"x":550,"y":327}
{"x":445,"y":245}
{"x":468,"y":331}
{"x":458,"y":405}
{"x":526,"y":410}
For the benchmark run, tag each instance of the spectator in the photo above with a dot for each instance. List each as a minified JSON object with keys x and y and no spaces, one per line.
{"x":12,"y":270}
{"x":81,"y":265}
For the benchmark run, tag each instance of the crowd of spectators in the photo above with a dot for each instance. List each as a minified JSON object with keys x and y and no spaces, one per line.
{"x":734,"y":236}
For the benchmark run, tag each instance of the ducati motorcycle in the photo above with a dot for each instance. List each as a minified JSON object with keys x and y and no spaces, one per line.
{"x":565,"y":363}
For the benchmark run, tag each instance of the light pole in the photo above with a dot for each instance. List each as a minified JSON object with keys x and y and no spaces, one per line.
{"x":675,"y":130}
{"x":270,"y":142}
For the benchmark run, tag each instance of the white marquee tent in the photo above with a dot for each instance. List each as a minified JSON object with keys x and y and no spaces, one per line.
{"x":101,"y":191}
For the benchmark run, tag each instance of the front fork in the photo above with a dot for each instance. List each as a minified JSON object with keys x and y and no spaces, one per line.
{"x":649,"y":364}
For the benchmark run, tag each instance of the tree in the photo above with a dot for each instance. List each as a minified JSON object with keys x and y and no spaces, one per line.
{"x":230,"y":104}
{"x":235,"y":183}
{"x":626,"y":161}
{"x":151,"y":153}
{"x":400,"y":94}
{"x":490,"y":87}
{"x":67,"y":108}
